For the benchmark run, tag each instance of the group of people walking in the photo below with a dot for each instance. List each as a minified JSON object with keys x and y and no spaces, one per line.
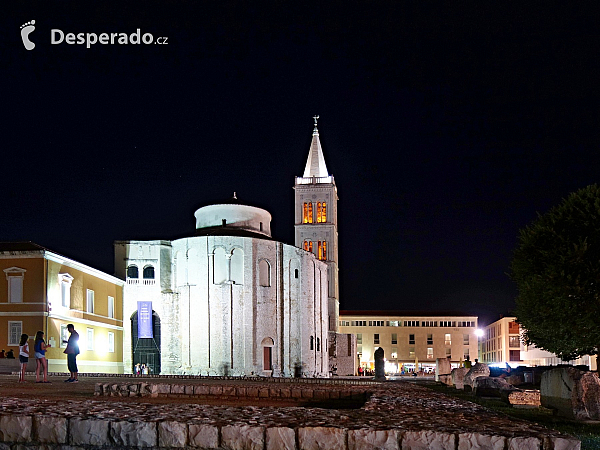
{"x":39,"y":348}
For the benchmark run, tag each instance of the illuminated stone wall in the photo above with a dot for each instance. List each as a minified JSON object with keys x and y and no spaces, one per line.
{"x":223,"y":300}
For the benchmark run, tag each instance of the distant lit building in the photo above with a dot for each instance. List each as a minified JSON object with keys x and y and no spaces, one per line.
{"x":409,"y":338}
{"x":501,"y":343}
{"x":44,"y":291}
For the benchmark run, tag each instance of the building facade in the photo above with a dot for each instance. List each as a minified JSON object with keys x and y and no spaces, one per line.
{"x":411,"y":340}
{"x":501,"y":343}
{"x":44,"y":291}
{"x":228,"y":301}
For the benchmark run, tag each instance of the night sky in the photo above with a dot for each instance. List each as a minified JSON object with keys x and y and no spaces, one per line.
{"x":447,"y":129}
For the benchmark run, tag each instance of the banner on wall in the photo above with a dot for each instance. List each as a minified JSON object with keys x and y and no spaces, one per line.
{"x":144,"y":310}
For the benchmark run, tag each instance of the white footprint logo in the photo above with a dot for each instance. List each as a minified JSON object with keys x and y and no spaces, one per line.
{"x":26,"y":29}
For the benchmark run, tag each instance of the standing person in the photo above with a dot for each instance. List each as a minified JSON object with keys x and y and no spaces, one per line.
{"x":39,"y":348}
{"x":72,"y":351}
{"x":23,"y":356}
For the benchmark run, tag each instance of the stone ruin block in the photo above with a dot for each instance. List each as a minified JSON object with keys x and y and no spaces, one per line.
{"x":442,"y":367}
{"x":445,"y":379}
{"x":572,"y":393}
{"x":478,"y":370}
{"x":458,"y":377}
{"x":525,"y":398}
{"x":492,"y":387}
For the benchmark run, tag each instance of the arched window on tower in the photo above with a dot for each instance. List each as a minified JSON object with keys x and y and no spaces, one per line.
{"x":237,"y":266}
{"x":133,"y":272}
{"x":323,"y":212}
{"x":324,"y":250}
{"x":308,"y":246}
{"x":148,"y":275}
{"x":320,"y":250}
{"x":310,"y":212}
{"x":305,"y":213}
{"x":264,"y":273}
{"x":318,"y":212}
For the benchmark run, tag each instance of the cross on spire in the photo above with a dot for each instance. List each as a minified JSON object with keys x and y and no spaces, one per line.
{"x":315,"y":130}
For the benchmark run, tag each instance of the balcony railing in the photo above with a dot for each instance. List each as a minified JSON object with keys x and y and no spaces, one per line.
{"x":145,"y":281}
{"x":314,"y":180}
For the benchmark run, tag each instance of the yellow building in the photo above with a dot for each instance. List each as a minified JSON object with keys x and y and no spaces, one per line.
{"x":411,"y":338}
{"x":501,"y":343}
{"x":44,"y":291}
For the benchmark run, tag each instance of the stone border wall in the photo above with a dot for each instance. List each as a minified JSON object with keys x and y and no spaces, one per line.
{"x":300,"y":394}
{"x":335,"y":380}
{"x":88,"y":433}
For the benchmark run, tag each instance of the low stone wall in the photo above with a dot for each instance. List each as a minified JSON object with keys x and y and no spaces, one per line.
{"x":525,"y":398}
{"x":14,"y":366}
{"x":397,"y":415}
{"x":297,"y":393}
{"x":61,"y":433}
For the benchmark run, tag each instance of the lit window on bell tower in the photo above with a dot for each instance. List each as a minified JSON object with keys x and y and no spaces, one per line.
{"x":310,"y":213}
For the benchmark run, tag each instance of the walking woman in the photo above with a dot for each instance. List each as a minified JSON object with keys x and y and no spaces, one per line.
{"x":39,"y":348}
{"x":23,"y":356}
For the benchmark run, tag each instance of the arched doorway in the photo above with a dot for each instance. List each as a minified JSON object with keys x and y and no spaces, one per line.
{"x":267,"y":346}
{"x":146,"y":350}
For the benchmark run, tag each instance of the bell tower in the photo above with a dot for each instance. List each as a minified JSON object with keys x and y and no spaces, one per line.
{"x":316,"y":218}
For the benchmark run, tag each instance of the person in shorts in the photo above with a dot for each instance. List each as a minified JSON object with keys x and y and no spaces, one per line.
{"x":39,"y":348}
{"x":23,"y":356}
{"x":72,"y":351}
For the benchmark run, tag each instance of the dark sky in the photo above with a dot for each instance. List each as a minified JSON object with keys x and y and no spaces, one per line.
{"x":447,"y":129}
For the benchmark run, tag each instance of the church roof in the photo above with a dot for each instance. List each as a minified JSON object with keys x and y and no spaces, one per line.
{"x":315,"y":165}
{"x":23,"y":246}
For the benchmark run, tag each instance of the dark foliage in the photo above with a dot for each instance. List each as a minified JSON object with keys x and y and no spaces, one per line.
{"x":557,"y":270}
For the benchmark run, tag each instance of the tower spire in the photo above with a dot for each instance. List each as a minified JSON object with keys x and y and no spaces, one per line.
{"x":315,"y":164}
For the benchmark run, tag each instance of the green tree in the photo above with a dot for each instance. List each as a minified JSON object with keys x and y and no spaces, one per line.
{"x":557,"y":270}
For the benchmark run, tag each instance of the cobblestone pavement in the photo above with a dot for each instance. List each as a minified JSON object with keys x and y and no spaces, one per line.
{"x":393,"y":405}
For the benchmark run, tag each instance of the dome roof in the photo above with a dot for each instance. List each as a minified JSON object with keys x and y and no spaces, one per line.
{"x":232,"y":217}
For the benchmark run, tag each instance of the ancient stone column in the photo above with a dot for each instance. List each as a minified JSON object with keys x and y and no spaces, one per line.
{"x":379,"y":364}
